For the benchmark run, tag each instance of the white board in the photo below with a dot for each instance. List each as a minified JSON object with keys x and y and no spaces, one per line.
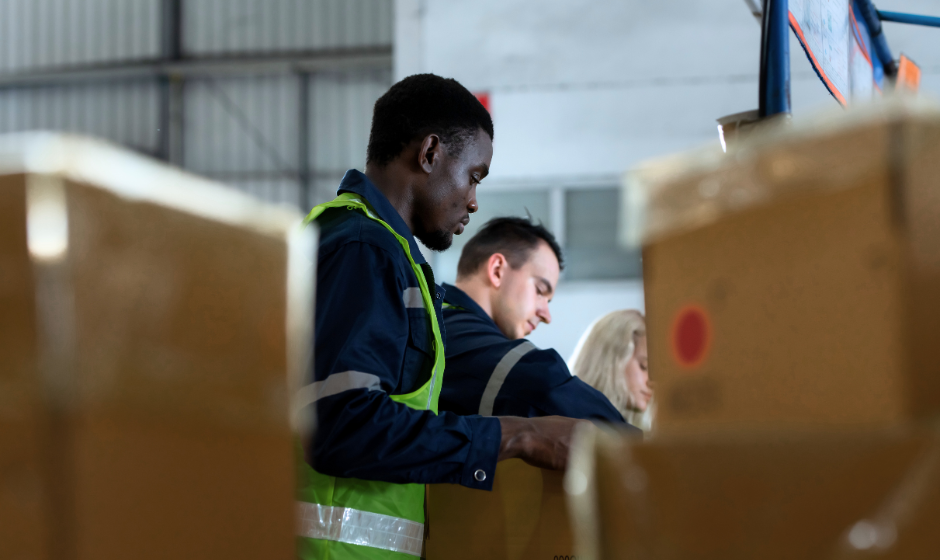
{"x":824,"y":29}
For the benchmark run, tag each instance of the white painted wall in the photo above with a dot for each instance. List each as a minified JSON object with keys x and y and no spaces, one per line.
{"x":579,"y":304}
{"x":589,"y":88}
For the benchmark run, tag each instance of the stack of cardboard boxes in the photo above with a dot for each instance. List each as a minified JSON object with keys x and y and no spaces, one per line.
{"x":144,"y":359}
{"x":793,"y":308}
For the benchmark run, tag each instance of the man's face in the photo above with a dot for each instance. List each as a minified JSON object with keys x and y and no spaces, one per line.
{"x":522,"y":297}
{"x":443,"y":206}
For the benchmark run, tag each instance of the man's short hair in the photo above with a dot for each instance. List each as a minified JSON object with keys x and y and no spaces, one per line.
{"x":420,"y":105}
{"x":514,"y":237}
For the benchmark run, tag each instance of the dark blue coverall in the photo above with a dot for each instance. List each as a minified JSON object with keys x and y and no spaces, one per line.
{"x":373,"y":340}
{"x":489,"y":374}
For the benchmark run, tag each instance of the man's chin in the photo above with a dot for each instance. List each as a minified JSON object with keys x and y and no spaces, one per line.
{"x":436,"y":241}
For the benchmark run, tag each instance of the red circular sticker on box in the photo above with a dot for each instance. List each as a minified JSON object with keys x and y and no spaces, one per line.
{"x":691,"y":336}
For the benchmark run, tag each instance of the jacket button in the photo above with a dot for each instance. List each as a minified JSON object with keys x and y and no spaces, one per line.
{"x":437,"y":295}
{"x":479,"y":475}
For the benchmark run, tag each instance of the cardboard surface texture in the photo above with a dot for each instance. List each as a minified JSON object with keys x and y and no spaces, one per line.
{"x":867,"y":494}
{"x":796,"y":283}
{"x":524,"y":517}
{"x":144,"y":360}
{"x":22,"y":510}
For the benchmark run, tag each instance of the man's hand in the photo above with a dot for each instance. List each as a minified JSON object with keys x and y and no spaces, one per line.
{"x":540,"y":442}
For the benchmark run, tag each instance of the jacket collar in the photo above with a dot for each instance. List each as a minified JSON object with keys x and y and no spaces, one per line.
{"x":458,"y":298}
{"x":357,"y":183}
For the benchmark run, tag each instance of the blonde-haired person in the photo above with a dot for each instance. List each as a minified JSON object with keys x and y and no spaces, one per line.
{"x":611,"y":357}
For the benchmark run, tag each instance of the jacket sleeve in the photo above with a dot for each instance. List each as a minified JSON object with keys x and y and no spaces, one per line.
{"x":361,"y":334}
{"x":542,"y":378}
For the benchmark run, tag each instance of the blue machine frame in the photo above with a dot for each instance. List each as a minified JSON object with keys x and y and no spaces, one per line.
{"x":913,"y":19}
{"x":775,"y":48}
{"x":775,"y":59}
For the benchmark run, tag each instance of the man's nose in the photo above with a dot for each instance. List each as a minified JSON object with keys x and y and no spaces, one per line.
{"x":545,"y":314}
{"x":472,"y":204}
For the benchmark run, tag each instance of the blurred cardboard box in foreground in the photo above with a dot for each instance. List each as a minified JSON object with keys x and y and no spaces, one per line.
{"x":523,"y":518}
{"x":144,"y":358}
{"x":845,"y":494}
{"x":796,"y":283}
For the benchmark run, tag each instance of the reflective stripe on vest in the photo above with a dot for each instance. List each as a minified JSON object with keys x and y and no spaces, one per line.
{"x":380,"y":515}
{"x":412,"y":298}
{"x":335,"y":384}
{"x":498,"y":377}
{"x":353,"y":526}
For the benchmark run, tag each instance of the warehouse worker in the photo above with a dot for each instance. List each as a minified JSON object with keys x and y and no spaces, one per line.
{"x":379,"y":357}
{"x":506,"y":278}
{"x":613,"y":360}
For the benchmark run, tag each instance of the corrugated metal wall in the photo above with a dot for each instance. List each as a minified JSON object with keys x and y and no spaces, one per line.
{"x":248,"y":130}
{"x":43,"y":34}
{"x":126,"y":113}
{"x":245,"y":131}
{"x":341,"y":114}
{"x":231,"y":26}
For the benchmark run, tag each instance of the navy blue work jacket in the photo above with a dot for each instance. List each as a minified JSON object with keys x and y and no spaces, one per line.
{"x":489,"y":374}
{"x":373,"y":339}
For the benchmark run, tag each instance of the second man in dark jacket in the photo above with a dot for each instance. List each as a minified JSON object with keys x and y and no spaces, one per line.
{"x":506,"y":278}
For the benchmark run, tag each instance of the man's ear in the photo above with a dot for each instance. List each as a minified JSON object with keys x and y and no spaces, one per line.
{"x":496,"y":267}
{"x":429,"y":152}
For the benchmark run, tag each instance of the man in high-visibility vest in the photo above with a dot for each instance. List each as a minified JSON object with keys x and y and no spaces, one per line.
{"x":379,"y":356}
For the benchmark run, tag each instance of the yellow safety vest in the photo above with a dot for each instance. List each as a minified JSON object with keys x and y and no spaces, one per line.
{"x":348,"y":518}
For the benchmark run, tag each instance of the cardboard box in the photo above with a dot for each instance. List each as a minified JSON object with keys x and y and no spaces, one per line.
{"x":523,"y":518}
{"x":796,"y":283}
{"x":151,"y":321}
{"x":871,"y":494}
{"x":22,"y":510}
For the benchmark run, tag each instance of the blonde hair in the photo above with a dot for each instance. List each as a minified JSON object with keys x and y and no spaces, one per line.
{"x":603,"y":354}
